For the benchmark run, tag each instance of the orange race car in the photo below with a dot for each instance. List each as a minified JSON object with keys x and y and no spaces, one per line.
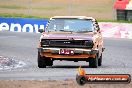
{"x":71,"y":38}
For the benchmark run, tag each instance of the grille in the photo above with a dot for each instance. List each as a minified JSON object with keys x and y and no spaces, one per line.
{"x":67,"y":43}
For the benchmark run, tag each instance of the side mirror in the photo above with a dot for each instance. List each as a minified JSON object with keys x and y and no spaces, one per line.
{"x":41,"y":30}
{"x":97,"y":27}
{"x":98,"y":30}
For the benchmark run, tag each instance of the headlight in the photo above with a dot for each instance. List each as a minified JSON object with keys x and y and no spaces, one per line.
{"x":45,"y":42}
{"x":89,"y":43}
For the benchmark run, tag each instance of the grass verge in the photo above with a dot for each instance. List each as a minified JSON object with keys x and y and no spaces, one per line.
{"x":32,"y":16}
{"x":19,"y":15}
{"x":12,"y":7}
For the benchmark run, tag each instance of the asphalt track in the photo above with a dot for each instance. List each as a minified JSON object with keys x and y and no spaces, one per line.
{"x":117,"y":58}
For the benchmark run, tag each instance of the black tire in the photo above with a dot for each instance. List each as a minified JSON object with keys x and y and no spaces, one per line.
{"x":41,"y":61}
{"x":100,"y":60}
{"x":93,"y":63}
{"x":49,"y":62}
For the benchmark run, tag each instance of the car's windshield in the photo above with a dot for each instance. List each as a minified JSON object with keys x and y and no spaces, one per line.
{"x":73,"y":25}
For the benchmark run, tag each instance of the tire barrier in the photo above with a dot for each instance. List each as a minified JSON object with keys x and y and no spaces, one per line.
{"x":123,"y":9}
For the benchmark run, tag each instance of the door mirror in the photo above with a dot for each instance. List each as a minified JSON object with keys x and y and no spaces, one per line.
{"x":41,"y":30}
{"x":98,"y":30}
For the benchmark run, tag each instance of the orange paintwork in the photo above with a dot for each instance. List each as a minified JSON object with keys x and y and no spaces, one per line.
{"x":95,"y":36}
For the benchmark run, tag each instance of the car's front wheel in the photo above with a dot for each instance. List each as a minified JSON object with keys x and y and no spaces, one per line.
{"x":93,"y":63}
{"x":41,"y":61}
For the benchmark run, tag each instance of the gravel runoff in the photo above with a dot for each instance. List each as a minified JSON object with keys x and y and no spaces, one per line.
{"x":10,"y":63}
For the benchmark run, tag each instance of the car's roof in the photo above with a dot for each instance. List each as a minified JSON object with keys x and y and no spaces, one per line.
{"x":76,"y":17}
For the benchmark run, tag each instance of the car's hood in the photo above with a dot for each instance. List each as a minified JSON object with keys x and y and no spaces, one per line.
{"x":67,"y":35}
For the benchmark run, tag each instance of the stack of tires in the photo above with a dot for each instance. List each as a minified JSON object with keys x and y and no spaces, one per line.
{"x":129,"y":11}
{"x":120,"y":6}
{"x":123,"y":9}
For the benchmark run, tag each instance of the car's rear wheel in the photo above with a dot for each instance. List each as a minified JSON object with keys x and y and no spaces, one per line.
{"x":100,"y":60}
{"x":41,"y":61}
{"x":93,"y":63}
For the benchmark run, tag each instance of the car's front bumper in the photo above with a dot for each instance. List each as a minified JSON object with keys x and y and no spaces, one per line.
{"x":78,"y":53}
{"x":76,"y":50}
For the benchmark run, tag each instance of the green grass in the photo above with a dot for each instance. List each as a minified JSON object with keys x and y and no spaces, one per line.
{"x":49,"y":8}
{"x":18,"y":15}
{"x":118,"y":21}
{"x":12,"y":7}
{"x":31,"y":16}
{"x":22,"y":7}
{"x":101,"y":9}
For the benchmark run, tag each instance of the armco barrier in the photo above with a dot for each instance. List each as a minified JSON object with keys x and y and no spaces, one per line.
{"x":22,"y":24}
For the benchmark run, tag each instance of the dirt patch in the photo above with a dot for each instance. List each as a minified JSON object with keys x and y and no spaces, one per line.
{"x":101,"y":9}
{"x":56,"y":84}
